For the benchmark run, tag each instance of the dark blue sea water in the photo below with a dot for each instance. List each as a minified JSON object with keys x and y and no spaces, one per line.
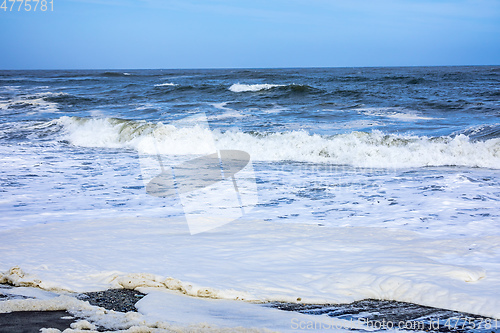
{"x":415,"y":148}
{"x":430,"y":101}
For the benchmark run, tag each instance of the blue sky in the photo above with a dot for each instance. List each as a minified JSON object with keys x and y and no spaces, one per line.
{"x":125,"y":34}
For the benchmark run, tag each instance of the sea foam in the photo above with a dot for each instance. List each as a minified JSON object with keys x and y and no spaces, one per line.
{"x":360,"y":149}
{"x":255,"y":260}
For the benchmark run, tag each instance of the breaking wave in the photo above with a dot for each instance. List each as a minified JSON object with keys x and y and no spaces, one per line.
{"x":361,"y":149}
{"x":238,"y":87}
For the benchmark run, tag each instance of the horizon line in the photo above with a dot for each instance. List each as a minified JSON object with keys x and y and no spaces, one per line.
{"x":238,"y":68}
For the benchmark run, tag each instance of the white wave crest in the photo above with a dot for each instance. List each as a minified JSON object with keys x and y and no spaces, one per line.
{"x":167,"y":84}
{"x":147,"y":137}
{"x":238,"y":87}
{"x":360,"y":149}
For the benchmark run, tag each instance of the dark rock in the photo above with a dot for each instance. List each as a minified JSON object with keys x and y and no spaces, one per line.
{"x":122,"y":300}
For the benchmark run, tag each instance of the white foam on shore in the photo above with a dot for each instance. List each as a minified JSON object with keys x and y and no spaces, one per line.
{"x":257,"y":261}
{"x":27,"y":292}
{"x":167,"y":311}
{"x":164,"y":305}
{"x":78,"y":308}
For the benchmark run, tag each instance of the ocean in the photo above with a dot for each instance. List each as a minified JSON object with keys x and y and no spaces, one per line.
{"x":379,"y":183}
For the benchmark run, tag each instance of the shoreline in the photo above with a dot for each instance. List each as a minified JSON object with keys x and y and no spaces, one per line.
{"x":370,"y":312}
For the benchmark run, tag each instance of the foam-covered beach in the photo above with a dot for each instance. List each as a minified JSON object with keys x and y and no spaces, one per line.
{"x":254,"y":261}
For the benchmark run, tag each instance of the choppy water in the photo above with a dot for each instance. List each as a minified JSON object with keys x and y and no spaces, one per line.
{"x":411,"y":148}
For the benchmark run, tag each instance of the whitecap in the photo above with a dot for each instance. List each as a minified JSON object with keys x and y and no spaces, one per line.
{"x":361,"y":149}
{"x":167,"y":84}
{"x":238,"y":87}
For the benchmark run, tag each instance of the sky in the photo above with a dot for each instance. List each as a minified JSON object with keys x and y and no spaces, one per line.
{"x":137,"y":34}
